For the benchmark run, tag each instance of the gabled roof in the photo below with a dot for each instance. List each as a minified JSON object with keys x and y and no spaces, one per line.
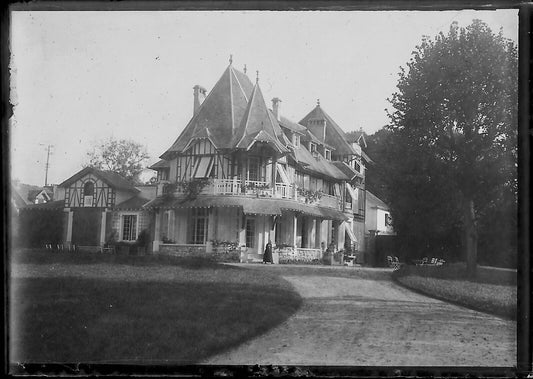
{"x":358,"y":136}
{"x":258,"y":125}
{"x":16,"y":198}
{"x":334,"y":134}
{"x":221,"y":112}
{"x":373,"y":199}
{"x":292,"y":126}
{"x":308,"y":136}
{"x":111,"y":178}
{"x":135,"y":202}
{"x":346,"y":170}
{"x":318,"y":165}
{"x":161,"y":164}
{"x":32,"y":194}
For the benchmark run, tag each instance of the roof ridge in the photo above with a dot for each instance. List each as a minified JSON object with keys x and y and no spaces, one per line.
{"x":240,"y":85}
{"x":231,"y":99}
{"x":248,"y":112}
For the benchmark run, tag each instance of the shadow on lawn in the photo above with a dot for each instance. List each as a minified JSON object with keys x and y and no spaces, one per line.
{"x":71,"y":320}
{"x":45,"y":257}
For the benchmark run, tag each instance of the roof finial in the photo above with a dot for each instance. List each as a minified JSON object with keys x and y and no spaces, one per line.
{"x":244,"y":68}
{"x":257,"y":76}
{"x":230,"y":59}
{"x":317,"y":102}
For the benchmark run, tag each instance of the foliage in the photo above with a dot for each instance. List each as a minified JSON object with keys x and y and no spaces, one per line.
{"x":192,"y":188}
{"x":125,"y":157}
{"x":229,"y":245}
{"x":310,"y":195}
{"x":451,"y":147}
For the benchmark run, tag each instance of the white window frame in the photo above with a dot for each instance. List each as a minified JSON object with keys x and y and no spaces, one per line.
{"x":121,"y":231}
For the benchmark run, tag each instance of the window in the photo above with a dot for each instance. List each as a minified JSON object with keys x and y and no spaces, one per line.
{"x":203,"y":167}
{"x":253,"y":168}
{"x":198,"y":225}
{"x":88,"y":193}
{"x":327,"y":154}
{"x":88,"y":189}
{"x":313,"y":147}
{"x":250,"y":232}
{"x":357,"y":166}
{"x":129,"y":227}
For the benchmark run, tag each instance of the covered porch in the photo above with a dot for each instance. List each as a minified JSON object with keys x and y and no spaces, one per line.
{"x":243,"y":226}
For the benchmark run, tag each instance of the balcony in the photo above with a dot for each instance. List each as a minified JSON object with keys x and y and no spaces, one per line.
{"x":252,"y":188}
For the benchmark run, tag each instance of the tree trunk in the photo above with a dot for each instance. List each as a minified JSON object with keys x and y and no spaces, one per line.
{"x":470,"y":238}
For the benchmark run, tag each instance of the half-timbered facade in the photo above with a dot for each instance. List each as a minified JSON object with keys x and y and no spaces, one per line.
{"x":242,"y":174}
{"x":102,"y":207}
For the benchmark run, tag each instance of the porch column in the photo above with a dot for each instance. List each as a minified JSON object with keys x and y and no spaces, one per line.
{"x":294,"y":229}
{"x":310,"y":232}
{"x":274,"y":174}
{"x":339,"y":234}
{"x":102,"y":228}
{"x":272,"y":233}
{"x":171,"y":224}
{"x":211,"y":227}
{"x":242,"y":229}
{"x":318,"y":233}
{"x":70,"y":219}
{"x":157,"y":231}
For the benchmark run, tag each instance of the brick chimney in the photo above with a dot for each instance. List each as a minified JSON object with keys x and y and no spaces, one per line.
{"x":199,"y":97}
{"x":276,"y":103}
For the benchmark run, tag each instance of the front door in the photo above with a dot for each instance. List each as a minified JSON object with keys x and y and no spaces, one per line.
{"x":86,"y":226}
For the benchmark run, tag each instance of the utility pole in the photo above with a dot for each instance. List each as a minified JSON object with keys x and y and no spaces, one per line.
{"x":47,"y":166}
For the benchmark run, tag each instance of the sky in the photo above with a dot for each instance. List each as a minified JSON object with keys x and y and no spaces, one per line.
{"x":78,"y":77}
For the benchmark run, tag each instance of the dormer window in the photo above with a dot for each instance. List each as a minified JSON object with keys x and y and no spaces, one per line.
{"x":327,"y":154}
{"x":313,"y":147}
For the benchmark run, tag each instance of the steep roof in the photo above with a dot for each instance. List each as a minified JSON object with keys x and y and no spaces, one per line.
{"x":220,"y":114}
{"x":357,"y":136}
{"x":334,"y":134}
{"x":161,"y":164}
{"x":258,"y":124}
{"x":373,"y":199}
{"x":347,"y":170}
{"x":135,"y":202}
{"x":292,"y":126}
{"x":16,"y":198}
{"x":111,"y":178}
{"x":318,"y":165}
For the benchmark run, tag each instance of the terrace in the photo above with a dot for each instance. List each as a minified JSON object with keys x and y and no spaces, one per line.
{"x":254,"y":188}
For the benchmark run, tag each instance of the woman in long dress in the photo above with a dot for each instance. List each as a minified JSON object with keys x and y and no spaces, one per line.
{"x":267,"y":257}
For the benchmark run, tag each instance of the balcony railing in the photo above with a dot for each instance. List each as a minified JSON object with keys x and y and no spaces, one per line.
{"x":234,"y":187}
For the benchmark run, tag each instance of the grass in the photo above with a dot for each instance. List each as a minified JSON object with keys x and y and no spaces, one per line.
{"x":492,"y":291}
{"x":92,"y":308}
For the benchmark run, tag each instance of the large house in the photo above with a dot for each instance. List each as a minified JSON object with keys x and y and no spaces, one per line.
{"x":242,"y":174}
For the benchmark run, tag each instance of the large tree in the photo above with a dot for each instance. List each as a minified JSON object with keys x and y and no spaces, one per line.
{"x":454,"y":123}
{"x":125,"y":157}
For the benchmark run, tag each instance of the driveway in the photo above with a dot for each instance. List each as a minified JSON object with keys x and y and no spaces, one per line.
{"x":357,"y":321}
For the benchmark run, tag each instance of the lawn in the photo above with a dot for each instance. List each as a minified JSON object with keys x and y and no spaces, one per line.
{"x":93,"y":308}
{"x":492,"y":291}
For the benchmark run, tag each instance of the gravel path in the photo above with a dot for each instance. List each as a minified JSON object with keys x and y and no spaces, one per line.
{"x":352,"y":321}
